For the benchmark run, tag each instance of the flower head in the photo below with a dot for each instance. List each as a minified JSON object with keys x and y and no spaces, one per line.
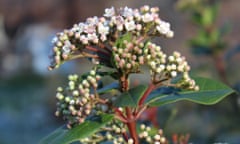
{"x":102,"y":33}
{"x":109,"y":12}
{"x":77,"y":101}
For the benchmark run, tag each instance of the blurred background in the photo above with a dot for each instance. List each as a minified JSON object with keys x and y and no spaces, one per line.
{"x":27,"y":88}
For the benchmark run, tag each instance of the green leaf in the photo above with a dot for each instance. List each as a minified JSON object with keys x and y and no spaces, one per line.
{"x":209,"y":15}
{"x":119,"y":42}
{"x":214,"y":36}
{"x":131,"y":97}
{"x":65,"y":136}
{"x":108,"y":88}
{"x":210,"y":92}
{"x":201,"y":39}
{"x":196,"y":17}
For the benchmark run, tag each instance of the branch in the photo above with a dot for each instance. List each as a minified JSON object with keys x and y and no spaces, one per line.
{"x":150,"y":88}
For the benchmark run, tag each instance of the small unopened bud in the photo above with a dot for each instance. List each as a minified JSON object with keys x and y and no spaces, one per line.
{"x":142,"y":126}
{"x":130,"y":141}
{"x":157,"y":137}
{"x":173,"y":74}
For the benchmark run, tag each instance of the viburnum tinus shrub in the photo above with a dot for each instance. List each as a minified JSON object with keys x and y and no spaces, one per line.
{"x":118,"y":44}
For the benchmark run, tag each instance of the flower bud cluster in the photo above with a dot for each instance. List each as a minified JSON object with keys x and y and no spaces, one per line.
{"x":154,"y":57}
{"x":115,"y":132}
{"x":112,"y":132}
{"x":187,"y":83}
{"x":107,"y":29}
{"x":168,"y":66}
{"x":129,"y":57}
{"x":146,"y":136}
{"x":77,"y":101}
{"x":177,"y":64}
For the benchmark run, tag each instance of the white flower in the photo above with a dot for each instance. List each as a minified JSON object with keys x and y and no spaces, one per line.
{"x":103,"y":38}
{"x":92,"y":20}
{"x":104,"y":30}
{"x":81,"y":27}
{"x":75,"y":28}
{"x":67,"y":47}
{"x":90,"y":29}
{"x":147,"y":18}
{"x":118,"y":20}
{"x":136,"y":14}
{"x":84,"y":39}
{"x":126,"y":12}
{"x":163,"y":27}
{"x":109,"y":12}
{"x":93,"y":37}
{"x":130,"y":25}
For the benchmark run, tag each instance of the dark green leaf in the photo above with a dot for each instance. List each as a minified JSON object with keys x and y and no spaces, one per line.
{"x":196,"y":18}
{"x":66,"y":136}
{"x":109,"y":88}
{"x":130,"y":98}
{"x":210,"y":92}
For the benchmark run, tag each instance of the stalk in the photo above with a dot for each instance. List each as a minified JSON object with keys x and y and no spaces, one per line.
{"x":131,"y":124}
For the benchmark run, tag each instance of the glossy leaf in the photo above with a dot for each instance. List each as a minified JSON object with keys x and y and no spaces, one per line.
{"x":210,"y":92}
{"x":109,"y":88}
{"x":131,"y":97}
{"x":65,"y":136}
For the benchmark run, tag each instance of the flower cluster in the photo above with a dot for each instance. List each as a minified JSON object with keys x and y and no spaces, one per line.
{"x":129,"y":56}
{"x":154,"y":57}
{"x":94,"y":37}
{"x":177,"y":64}
{"x":145,"y":135}
{"x":115,"y":131}
{"x":76,"y":102}
{"x":112,"y":132}
{"x":119,"y":41}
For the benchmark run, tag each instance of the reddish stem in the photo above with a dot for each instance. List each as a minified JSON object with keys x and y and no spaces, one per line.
{"x":101,"y":45}
{"x":125,"y":136}
{"x":146,"y":93}
{"x":131,"y":124}
{"x":120,"y":114}
{"x":130,"y":117}
{"x":124,"y":83}
{"x":97,"y":50}
{"x":140,"y":39}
